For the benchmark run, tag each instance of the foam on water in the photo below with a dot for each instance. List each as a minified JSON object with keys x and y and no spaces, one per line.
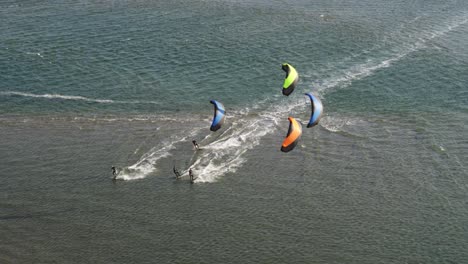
{"x":57,"y":96}
{"x":222,"y":151}
{"x":74,"y":97}
{"x":225,"y":154}
{"x":147,"y":164}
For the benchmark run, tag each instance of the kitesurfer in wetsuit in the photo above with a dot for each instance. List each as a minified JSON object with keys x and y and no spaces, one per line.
{"x":195,"y":144}
{"x":114,"y":172}
{"x":191,"y":175}
{"x":176,"y":172}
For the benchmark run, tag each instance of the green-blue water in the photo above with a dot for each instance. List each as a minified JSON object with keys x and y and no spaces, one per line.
{"x":86,"y":85}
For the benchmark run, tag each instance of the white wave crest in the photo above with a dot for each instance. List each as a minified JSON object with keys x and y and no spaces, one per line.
{"x":57,"y":96}
{"x":74,"y":97}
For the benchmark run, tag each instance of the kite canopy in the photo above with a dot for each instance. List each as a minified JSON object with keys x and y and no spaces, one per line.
{"x":292,"y":77}
{"x":317,"y":110}
{"x":219,"y":115}
{"x":293,"y":136}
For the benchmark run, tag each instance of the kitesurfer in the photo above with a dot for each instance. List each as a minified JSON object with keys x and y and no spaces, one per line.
{"x":191,"y":175}
{"x":195,"y":144}
{"x":114,"y":172}
{"x":176,"y":172}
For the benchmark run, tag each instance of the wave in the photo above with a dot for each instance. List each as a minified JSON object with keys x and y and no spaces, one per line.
{"x":74,"y":97}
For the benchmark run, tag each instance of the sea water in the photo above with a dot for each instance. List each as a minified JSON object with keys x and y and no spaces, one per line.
{"x":87,"y":85}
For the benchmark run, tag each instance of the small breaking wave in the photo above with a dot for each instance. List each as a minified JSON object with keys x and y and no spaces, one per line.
{"x":74,"y":97}
{"x":57,"y":96}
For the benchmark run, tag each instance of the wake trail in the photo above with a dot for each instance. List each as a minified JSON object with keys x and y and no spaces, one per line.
{"x":74,"y":97}
{"x":147,"y":163}
{"x":356,"y":72}
{"x":224,"y":152}
{"x":221,"y":153}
